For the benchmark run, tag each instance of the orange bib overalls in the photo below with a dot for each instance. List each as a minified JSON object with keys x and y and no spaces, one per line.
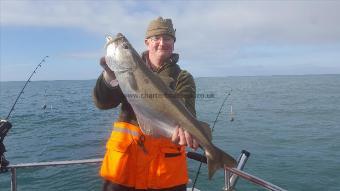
{"x":136,"y":160}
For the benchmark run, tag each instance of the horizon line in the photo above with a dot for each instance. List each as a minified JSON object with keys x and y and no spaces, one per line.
{"x":269,"y":75}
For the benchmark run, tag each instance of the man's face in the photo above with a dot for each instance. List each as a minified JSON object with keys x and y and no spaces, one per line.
{"x":160,"y":46}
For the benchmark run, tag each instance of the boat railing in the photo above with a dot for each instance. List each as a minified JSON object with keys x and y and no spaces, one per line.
{"x":231,"y":175}
{"x":13,"y":168}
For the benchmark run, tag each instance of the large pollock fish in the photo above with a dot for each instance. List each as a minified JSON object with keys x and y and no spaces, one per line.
{"x":157,"y":109}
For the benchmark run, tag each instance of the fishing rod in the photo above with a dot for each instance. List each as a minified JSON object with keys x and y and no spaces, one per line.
{"x":237,"y":171}
{"x":5,"y":125}
{"x":22,"y":90}
{"x":212,"y":130}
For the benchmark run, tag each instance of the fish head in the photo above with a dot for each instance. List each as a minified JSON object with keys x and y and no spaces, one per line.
{"x":120,"y":54}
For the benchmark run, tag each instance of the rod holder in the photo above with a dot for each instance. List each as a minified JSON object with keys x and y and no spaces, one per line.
{"x":230,"y":179}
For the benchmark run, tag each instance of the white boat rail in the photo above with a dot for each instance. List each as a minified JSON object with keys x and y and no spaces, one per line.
{"x":13,"y":168}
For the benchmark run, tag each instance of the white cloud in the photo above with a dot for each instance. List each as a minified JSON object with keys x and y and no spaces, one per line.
{"x":314,"y":21}
{"x":82,"y":55}
{"x":207,"y":31}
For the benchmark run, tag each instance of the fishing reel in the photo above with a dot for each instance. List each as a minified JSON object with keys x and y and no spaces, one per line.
{"x":4,"y":128}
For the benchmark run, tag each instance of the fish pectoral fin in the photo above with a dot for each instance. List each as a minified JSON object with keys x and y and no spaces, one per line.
{"x":206,"y":129}
{"x":133,"y":82}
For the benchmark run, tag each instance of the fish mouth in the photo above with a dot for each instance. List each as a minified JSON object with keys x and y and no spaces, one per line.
{"x":119,"y":35}
{"x":117,"y":49}
{"x":119,"y":39}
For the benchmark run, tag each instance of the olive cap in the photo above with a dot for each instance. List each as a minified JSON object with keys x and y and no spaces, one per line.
{"x":160,"y":26}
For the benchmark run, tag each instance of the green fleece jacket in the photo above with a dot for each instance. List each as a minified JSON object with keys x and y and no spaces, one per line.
{"x":107,"y":97}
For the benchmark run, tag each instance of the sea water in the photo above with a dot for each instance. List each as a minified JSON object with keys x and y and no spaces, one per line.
{"x":289,"y":124}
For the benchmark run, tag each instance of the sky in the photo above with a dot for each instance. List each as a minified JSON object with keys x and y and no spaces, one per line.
{"x":214,"y":38}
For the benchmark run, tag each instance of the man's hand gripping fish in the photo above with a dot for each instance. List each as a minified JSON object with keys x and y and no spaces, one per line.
{"x":157,"y":109}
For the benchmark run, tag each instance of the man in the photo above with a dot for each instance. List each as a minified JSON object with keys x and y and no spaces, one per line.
{"x":134,"y":161}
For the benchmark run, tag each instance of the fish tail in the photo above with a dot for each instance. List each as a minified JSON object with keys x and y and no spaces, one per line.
{"x":216,"y":159}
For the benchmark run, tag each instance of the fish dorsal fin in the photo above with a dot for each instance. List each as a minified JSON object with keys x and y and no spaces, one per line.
{"x":206,"y":129}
